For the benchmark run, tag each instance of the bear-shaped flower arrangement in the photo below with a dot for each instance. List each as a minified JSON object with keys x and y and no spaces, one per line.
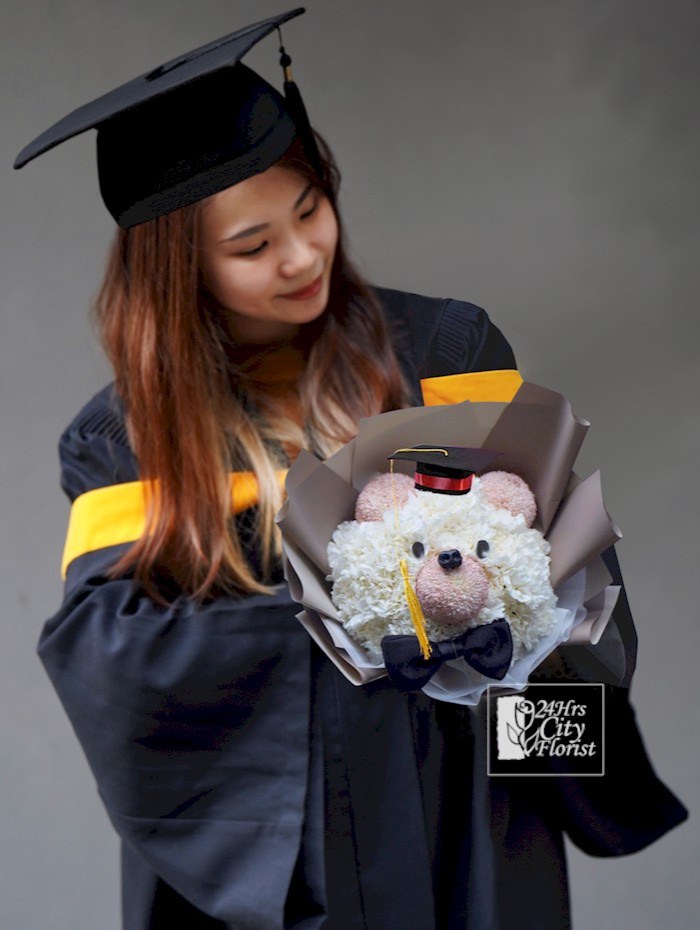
{"x":462,"y":566}
{"x":472,"y":558}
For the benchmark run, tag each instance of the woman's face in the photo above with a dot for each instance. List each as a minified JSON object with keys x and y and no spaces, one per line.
{"x":268,"y":246}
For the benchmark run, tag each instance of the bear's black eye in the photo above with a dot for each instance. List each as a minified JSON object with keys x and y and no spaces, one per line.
{"x":482,"y":549}
{"x":418,"y":549}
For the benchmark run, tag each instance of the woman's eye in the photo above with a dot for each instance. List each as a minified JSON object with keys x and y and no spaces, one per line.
{"x":482,"y":549}
{"x":418,"y":549}
{"x":309,"y":212}
{"x":251,"y":252}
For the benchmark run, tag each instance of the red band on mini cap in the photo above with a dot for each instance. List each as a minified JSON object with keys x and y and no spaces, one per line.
{"x":443,"y":484}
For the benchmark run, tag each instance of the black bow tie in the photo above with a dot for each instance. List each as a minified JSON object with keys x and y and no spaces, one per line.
{"x":487,"y":648}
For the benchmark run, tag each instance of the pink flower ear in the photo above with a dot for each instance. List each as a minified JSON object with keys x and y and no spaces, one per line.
{"x":377,"y":496}
{"x":509,"y":492}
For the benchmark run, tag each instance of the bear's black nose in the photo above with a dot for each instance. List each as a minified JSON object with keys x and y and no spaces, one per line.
{"x":450,"y":558}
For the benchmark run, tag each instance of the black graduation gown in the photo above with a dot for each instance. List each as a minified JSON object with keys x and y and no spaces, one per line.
{"x":254,"y":788}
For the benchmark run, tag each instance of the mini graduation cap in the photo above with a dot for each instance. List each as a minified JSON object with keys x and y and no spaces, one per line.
{"x":188,"y":129}
{"x":446,"y":469}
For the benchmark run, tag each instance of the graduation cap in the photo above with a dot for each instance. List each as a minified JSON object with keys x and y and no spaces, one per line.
{"x":188,"y":129}
{"x":446,"y":469}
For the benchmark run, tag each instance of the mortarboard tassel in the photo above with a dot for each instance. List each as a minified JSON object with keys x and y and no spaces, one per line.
{"x":297,"y":110}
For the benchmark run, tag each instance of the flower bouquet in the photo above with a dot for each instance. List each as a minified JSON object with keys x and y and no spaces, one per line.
{"x":473,"y":578}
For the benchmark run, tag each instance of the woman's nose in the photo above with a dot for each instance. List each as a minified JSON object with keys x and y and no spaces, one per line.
{"x":299,"y":255}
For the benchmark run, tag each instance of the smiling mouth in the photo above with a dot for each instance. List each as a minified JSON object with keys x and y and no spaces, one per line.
{"x":311,"y":290}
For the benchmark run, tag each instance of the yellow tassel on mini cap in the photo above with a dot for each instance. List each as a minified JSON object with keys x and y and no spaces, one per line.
{"x":416,"y":612}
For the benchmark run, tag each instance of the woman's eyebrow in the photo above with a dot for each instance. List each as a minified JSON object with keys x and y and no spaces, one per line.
{"x":251,"y":231}
{"x":302,"y":197}
{"x":254,"y":230}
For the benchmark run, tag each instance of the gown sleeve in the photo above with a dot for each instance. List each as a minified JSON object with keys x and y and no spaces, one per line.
{"x":193,"y":717}
{"x":628,"y":807}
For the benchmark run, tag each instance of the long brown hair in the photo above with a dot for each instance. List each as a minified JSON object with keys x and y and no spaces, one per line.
{"x":191,"y":419}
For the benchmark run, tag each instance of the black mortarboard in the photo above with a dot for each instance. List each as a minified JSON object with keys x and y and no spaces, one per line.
{"x":446,"y":469}
{"x":187,"y":129}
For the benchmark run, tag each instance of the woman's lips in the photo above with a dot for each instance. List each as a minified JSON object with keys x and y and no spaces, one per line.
{"x":311,"y":290}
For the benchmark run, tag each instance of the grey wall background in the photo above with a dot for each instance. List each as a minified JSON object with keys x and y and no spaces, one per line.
{"x":538,"y":158}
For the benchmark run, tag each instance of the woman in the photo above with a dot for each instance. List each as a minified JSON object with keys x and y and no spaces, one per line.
{"x":252,"y":786}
